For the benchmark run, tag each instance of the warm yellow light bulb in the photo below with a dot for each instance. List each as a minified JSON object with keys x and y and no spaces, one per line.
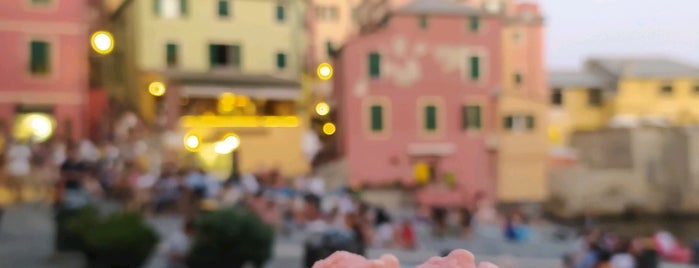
{"x":329,"y":128}
{"x":322,"y":108}
{"x":325,"y":71}
{"x":156,"y":89}
{"x":102,"y":42}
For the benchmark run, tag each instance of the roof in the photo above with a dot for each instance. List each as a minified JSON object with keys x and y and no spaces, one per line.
{"x":226,"y":78}
{"x":643,"y":67}
{"x":575,"y":79}
{"x":443,"y":7}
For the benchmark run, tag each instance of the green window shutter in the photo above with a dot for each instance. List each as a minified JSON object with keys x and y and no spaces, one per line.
{"x":471,"y":117}
{"x":475,"y":117}
{"x":374,"y":65}
{"x":423,"y":21}
{"x":213,"y":55}
{"x":431,"y":117}
{"x":281,"y":60}
{"x":39,"y":61}
{"x":475,"y":64}
{"x":518,"y":78}
{"x":530,"y":122}
{"x":508,"y":122}
{"x":183,"y":7}
{"x":223,"y":10}
{"x":376,"y":118}
{"x":156,"y":7}
{"x":329,"y":47}
{"x":171,"y":54}
{"x":236,"y":53}
{"x":474,"y":23}
{"x":464,"y":117}
{"x":280,"y":13}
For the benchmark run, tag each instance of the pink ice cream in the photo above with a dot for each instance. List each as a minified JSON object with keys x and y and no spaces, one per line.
{"x":456,"y":259}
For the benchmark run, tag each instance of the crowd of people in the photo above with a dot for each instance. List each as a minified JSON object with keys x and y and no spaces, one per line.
{"x":73,"y":174}
{"x":598,"y":249}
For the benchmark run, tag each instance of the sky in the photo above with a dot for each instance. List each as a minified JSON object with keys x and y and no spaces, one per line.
{"x":577,"y":29}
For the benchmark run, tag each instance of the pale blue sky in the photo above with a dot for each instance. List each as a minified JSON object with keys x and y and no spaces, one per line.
{"x":577,"y":29}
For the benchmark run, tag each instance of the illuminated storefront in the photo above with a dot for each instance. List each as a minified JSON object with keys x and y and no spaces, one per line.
{"x":244,"y":122}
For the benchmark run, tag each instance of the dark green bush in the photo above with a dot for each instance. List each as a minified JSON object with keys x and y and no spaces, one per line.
{"x":71,"y":226}
{"x":120,"y":240}
{"x":231,"y":238}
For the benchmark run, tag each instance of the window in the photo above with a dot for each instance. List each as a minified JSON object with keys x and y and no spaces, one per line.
{"x":280,"y":12}
{"x":223,"y":8}
{"x":474,"y":24}
{"x":516,"y":37}
{"x":475,"y":68}
{"x":518,"y":79}
{"x":224,"y":55}
{"x":376,"y":118}
{"x":374,"y":65}
{"x":594,"y":97}
{"x":171,"y":55}
{"x":471,"y":117}
{"x":431,"y":117}
{"x":327,"y":13}
{"x":519,"y":122}
{"x":329,"y":46}
{"x":39,"y":59}
{"x":556,"y":96}
{"x":281,"y":61}
{"x":423,"y":21}
{"x":666,"y":89}
{"x":41,"y":2}
{"x":170,"y":9}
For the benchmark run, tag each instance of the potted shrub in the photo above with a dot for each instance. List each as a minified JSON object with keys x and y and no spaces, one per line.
{"x":71,"y":226}
{"x":231,"y":238}
{"x":122,"y":240}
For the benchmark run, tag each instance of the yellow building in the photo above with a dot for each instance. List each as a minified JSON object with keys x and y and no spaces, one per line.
{"x":577,"y":104}
{"x":522,"y":154}
{"x":623,"y":92}
{"x":212,"y":68}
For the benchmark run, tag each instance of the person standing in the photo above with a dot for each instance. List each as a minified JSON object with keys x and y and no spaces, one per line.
{"x":18,"y":168}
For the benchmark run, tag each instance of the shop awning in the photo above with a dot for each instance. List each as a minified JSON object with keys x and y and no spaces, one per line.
{"x":213,"y":84}
{"x":431,"y":149}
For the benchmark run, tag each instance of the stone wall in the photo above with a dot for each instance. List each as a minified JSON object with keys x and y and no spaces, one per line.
{"x":647,"y":170}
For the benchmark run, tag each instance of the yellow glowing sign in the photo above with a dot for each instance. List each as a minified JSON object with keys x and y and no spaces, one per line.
{"x":422,"y":173}
{"x":192,"y":142}
{"x":156,"y":89}
{"x":102,"y":42}
{"x":216,"y":121}
{"x":325,"y":71}
{"x":322,"y":108}
{"x":329,"y":128}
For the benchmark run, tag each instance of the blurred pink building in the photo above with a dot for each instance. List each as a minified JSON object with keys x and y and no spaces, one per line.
{"x":44,"y":69}
{"x":418,"y":101}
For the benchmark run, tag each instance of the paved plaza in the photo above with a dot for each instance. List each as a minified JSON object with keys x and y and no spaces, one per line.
{"x":26,"y":234}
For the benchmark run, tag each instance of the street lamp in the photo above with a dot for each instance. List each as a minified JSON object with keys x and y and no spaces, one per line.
{"x":329,"y":128}
{"x":156,"y":89}
{"x":325,"y":71}
{"x":192,"y":142}
{"x":322,"y":108}
{"x":102,"y":42}
{"x":228,"y":145}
